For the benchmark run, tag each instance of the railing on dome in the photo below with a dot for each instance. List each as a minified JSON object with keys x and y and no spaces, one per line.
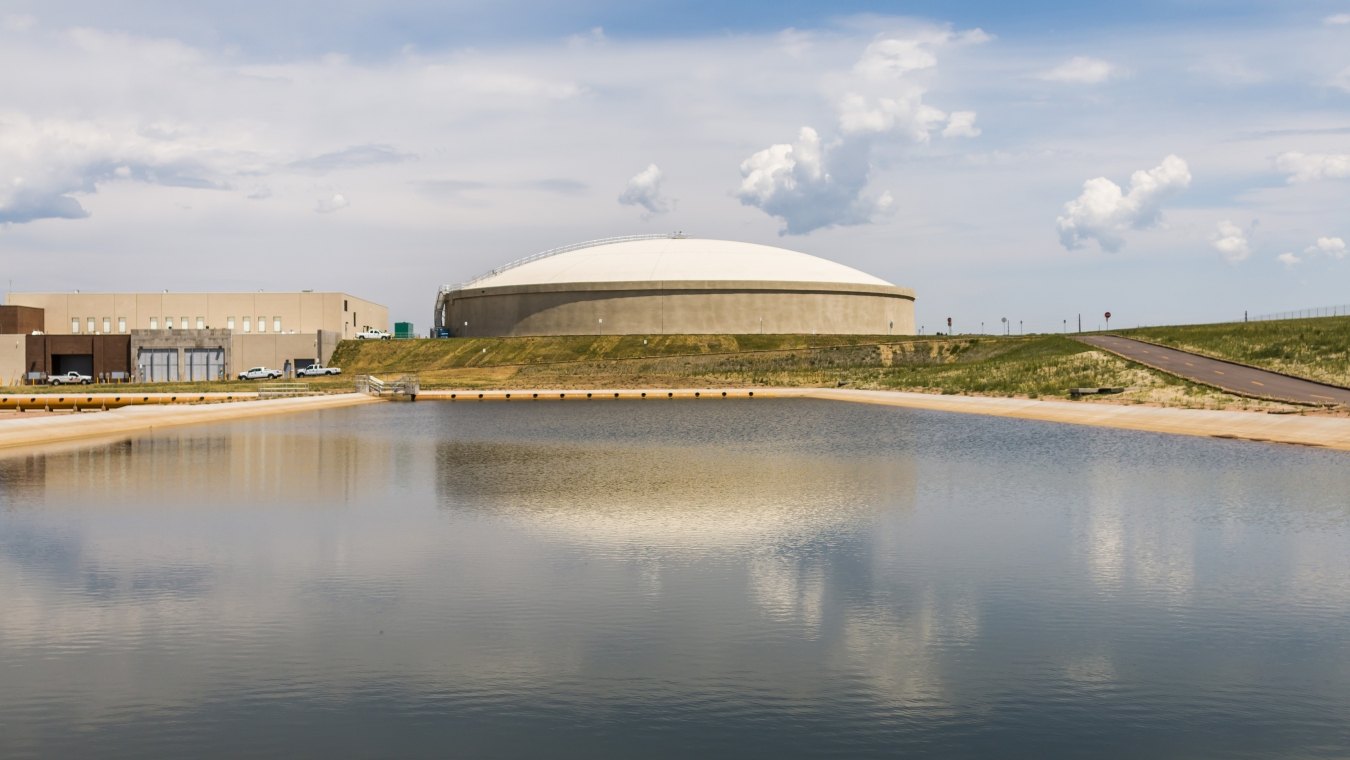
{"x":556,"y":251}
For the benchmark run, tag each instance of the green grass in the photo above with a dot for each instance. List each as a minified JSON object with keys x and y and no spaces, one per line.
{"x":1318,"y":349}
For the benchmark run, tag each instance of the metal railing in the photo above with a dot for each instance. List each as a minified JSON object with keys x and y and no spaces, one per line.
{"x":556,"y":251}
{"x":277,"y":390}
{"x":1320,"y":311}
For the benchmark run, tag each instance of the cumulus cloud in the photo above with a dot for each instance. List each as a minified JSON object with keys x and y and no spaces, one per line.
{"x":1288,"y":259}
{"x":644,"y":189}
{"x":961,"y":124}
{"x":906,"y":114}
{"x":1103,"y":211}
{"x":815,"y":183}
{"x":1306,"y":167}
{"x":335,"y":202}
{"x":1332,"y":247}
{"x":53,"y":160}
{"x":1230,"y":241}
{"x":1081,"y":70}
{"x":1338,"y":19}
{"x":810,"y":185}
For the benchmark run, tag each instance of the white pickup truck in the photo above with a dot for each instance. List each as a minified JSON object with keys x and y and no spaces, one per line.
{"x":70,"y":378}
{"x":373,"y":335}
{"x":259,"y":373}
{"x":317,"y":370}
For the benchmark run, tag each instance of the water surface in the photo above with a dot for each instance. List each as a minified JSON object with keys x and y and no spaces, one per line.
{"x":732,"y":578}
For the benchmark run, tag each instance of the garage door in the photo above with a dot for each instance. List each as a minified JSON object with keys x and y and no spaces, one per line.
{"x":157,"y":365}
{"x":205,"y":364}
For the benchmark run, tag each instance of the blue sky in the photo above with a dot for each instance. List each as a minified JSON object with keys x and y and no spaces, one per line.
{"x":1169,"y":161}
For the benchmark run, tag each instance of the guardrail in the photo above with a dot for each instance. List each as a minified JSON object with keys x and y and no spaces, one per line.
{"x":561,"y":249}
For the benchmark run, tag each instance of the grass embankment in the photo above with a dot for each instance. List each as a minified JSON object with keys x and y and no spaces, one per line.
{"x":1318,"y":349}
{"x":1032,"y":366}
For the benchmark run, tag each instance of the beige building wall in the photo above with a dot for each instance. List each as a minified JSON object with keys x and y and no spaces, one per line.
{"x":12,"y":361}
{"x":273,"y":351}
{"x":245,"y":313}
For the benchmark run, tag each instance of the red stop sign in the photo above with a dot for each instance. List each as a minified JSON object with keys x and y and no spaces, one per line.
{"x":1108,"y":315}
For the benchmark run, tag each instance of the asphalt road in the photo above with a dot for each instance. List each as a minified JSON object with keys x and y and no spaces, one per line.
{"x":1225,"y":375}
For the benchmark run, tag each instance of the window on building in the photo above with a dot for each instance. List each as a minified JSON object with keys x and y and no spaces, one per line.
{"x":276,"y":324}
{"x":229,"y":323}
{"x":91,"y":325}
{"x":74,"y":324}
{"x":168,"y":323}
{"x":344,"y":304}
{"x":121,"y":324}
{"x":154,"y":323}
{"x":183,"y":323}
{"x":201,"y":323}
{"x":262,"y":324}
{"x":107,"y":325}
{"x":248,"y":326}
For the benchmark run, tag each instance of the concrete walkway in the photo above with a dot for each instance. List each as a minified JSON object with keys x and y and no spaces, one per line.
{"x":37,"y":430}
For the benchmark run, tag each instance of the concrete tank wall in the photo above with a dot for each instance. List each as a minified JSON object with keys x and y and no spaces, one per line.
{"x":675,"y":308}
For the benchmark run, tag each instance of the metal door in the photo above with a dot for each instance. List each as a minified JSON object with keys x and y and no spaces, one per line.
{"x":157,"y":365}
{"x":205,"y":364}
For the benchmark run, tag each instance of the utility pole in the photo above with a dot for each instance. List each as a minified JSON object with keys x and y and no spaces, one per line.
{"x":1080,"y":323}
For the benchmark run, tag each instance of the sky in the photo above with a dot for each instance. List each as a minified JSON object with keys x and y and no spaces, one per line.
{"x":1169,"y":162}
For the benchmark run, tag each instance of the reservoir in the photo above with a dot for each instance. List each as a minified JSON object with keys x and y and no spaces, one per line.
{"x":715,"y":578}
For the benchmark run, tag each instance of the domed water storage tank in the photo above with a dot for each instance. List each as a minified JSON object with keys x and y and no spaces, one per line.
{"x":670,"y":284}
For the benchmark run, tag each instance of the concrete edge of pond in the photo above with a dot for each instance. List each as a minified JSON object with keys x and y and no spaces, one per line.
{"x":57,"y":428}
{"x":1328,"y":432}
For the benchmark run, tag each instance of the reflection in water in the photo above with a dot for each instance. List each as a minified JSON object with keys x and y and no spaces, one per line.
{"x":763,"y":579}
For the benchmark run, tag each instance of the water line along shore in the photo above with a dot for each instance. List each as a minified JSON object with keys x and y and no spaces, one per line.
{"x":1329,"y":432}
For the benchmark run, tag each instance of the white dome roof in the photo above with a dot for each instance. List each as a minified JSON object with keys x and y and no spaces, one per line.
{"x":664,"y":258}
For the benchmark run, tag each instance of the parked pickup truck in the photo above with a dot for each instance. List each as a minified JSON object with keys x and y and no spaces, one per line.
{"x":70,"y":378}
{"x":316,"y":370}
{"x":373,"y":335}
{"x":260,"y":373}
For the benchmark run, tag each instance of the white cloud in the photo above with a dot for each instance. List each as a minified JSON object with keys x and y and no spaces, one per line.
{"x":1230,"y":241}
{"x":961,"y":124}
{"x":1288,"y":259}
{"x":644,"y":189}
{"x":814,"y":183}
{"x":20,"y":22}
{"x":1333,"y":247}
{"x":335,"y":202}
{"x":51,"y":161}
{"x":1338,"y":19}
{"x":1342,"y":80}
{"x":1306,"y":167}
{"x":809,"y":185}
{"x":1103,"y":212}
{"x":907,"y":115}
{"x":1081,"y":70}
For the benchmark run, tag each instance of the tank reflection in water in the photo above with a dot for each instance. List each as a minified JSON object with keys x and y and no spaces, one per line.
{"x":717,"y":578}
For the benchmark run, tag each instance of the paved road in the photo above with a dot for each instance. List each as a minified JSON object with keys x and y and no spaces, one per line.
{"x":1226,"y":375}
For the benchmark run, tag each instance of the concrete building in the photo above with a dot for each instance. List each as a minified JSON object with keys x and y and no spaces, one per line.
{"x":175,"y":336}
{"x":668,"y":284}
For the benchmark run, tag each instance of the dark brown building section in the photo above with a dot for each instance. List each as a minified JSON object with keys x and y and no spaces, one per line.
{"x":20,"y":320}
{"x":98,"y":355}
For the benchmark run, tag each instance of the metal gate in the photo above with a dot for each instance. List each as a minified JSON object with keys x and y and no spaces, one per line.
{"x":205,"y":364}
{"x":157,"y":365}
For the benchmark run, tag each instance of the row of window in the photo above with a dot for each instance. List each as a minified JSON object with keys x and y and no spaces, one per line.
{"x":91,"y":325}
